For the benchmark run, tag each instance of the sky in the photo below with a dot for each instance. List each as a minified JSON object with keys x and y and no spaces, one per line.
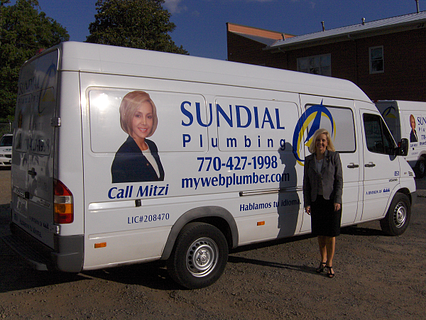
{"x":201,"y":24}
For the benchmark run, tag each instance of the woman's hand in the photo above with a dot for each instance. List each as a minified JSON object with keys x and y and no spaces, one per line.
{"x":337,"y":206}
{"x":308,"y":210}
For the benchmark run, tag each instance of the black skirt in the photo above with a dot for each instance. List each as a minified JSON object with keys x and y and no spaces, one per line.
{"x":324,"y":220}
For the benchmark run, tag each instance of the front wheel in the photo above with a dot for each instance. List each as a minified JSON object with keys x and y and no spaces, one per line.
{"x":398,"y":217}
{"x":199,"y":256}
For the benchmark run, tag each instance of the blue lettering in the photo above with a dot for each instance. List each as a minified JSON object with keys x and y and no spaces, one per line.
{"x":266,"y":119}
{"x":110,"y":193}
{"x":186,"y":139}
{"x":277,"y":115}
{"x":256,"y":118}
{"x":247,"y":110}
{"x":198,"y":110}
{"x":224,"y":115}
{"x":143,"y":191}
{"x":186,"y":113}
{"x":244,"y":116}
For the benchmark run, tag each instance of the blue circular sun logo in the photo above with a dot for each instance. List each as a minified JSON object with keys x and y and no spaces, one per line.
{"x":309,"y":122}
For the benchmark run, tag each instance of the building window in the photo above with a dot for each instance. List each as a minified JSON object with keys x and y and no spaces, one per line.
{"x":377,"y":64}
{"x":315,"y":64}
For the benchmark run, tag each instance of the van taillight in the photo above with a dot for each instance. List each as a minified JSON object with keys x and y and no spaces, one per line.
{"x":63,"y":204}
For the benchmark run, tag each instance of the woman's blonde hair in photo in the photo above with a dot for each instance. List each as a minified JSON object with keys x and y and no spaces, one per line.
{"x":128,"y":107}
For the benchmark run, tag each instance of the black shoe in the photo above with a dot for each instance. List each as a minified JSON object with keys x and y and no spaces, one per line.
{"x":330,"y":271}
{"x":320,"y":268}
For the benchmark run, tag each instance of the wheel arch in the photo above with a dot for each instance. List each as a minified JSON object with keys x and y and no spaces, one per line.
{"x":405,"y":191}
{"x":214,"y":215}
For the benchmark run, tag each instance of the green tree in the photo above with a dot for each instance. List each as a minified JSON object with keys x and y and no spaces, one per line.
{"x":142,"y":24}
{"x":23,"y":32}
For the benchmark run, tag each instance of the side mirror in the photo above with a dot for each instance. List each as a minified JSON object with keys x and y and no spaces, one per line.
{"x":403,"y":147}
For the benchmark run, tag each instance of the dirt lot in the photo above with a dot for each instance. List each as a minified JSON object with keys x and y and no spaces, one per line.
{"x":377,"y":276}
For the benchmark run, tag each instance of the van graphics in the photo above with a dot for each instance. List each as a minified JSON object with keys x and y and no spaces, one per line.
{"x":137,"y":158}
{"x":411,"y":126}
{"x":267,"y":205}
{"x":309,"y":122}
{"x":375,"y":192}
{"x":160,"y":143}
{"x":131,"y":191}
{"x":148,"y":218}
{"x":241,"y":124}
{"x":238,"y":116}
{"x":233,"y":180}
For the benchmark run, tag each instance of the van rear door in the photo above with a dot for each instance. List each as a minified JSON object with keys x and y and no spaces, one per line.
{"x":34,"y":148}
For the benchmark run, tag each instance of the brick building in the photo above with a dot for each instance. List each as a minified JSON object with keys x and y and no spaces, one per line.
{"x":386,"y":58}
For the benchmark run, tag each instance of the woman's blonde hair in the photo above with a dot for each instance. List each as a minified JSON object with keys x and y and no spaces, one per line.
{"x":330,"y":145}
{"x":128,"y":107}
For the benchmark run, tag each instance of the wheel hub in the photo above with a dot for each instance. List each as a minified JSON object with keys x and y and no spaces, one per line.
{"x":202,"y":257}
{"x":400,"y":214}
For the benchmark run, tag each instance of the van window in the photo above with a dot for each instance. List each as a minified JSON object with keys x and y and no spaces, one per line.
{"x":341,"y":127}
{"x":378,"y":137}
{"x":253,"y":124}
{"x":174,"y":110}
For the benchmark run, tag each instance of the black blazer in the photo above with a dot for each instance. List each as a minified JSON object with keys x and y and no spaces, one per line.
{"x":130,"y":165}
{"x":330,"y":179}
{"x":413,"y":136}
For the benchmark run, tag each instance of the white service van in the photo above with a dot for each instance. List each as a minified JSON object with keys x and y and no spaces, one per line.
{"x":6,"y":150}
{"x":407,"y":119}
{"x":226,"y":160}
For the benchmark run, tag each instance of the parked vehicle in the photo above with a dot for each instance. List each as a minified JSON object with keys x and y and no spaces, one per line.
{"x":6,"y":150}
{"x":407,"y":119}
{"x":225,"y":170}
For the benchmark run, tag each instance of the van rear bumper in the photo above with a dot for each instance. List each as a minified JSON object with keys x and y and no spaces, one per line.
{"x":67,"y":256}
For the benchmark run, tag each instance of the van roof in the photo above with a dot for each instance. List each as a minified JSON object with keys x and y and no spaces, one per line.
{"x":95,"y":58}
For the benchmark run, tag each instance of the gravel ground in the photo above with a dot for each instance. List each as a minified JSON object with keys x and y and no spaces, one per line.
{"x":377,"y":276}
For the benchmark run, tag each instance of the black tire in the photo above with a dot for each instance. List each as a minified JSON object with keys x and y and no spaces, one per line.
{"x":199,"y":256}
{"x":420,"y":168}
{"x":398,"y":217}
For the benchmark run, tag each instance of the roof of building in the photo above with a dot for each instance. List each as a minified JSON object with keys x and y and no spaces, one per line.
{"x":383,"y":26}
{"x":267,"y":37}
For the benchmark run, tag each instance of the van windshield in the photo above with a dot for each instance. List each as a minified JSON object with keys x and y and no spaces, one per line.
{"x":6,"y":141}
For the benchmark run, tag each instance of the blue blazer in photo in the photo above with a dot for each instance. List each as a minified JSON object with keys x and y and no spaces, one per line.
{"x":130,"y":165}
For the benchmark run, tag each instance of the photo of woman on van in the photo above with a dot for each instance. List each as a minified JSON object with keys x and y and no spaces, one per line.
{"x":137,"y":159}
{"x":322,"y":195}
{"x":413,"y":133}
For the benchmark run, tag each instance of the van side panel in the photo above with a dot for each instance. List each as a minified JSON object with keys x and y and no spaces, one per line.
{"x":220,"y":146}
{"x":69,"y":167}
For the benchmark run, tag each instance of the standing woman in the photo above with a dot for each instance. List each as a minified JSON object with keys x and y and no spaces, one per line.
{"x":322,"y":193}
{"x":137,"y":159}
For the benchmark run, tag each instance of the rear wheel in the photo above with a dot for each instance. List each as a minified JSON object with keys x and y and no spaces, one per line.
{"x":199,"y":256}
{"x":398,"y":217}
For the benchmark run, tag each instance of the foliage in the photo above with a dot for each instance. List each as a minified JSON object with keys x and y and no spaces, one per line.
{"x":142,"y":24}
{"x":23,"y":32}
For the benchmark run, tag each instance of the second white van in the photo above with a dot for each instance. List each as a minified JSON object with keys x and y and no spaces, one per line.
{"x":407,"y":119}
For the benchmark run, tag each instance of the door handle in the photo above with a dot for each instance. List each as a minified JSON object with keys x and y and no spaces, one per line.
{"x":370,"y":165}
{"x":353,"y":165}
{"x":32,"y":172}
